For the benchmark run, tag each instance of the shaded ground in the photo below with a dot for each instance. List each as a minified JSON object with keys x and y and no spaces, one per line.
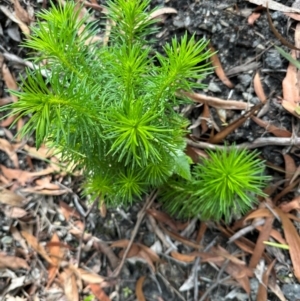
{"x":43,"y":217}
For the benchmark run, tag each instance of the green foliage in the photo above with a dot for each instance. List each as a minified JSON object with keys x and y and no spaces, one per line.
{"x":224,"y":185}
{"x":89,"y":298}
{"x":110,"y":108}
{"x":288,"y":56}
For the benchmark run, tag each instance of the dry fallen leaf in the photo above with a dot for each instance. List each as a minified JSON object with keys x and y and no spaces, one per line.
{"x":275,"y":6}
{"x":290,"y":168}
{"x":68,"y":211}
{"x":275,"y":288}
{"x":253,"y":17}
{"x":152,"y":255}
{"x":262,"y":294}
{"x":10,"y":198}
{"x":274,"y":234}
{"x":201,"y":232}
{"x":42,"y":153}
{"x":292,"y":108}
{"x":12,"y":262}
{"x":259,"y":213}
{"x":123,"y":243}
{"x":293,"y":16}
{"x":183,"y":257}
{"x":293,"y":240}
{"x":139,"y":289}
{"x":89,"y":277}
{"x":163,"y":217}
{"x":162,"y":11}
{"x":224,"y":253}
{"x":25,"y":29}
{"x":243,"y":243}
{"x":69,"y":284}
{"x":145,"y":256}
{"x":33,"y":242}
{"x":296,"y":175}
{"x":14,"y":212}
{"x":98,"y":292}
{"x":220,"y":136}
{"x":11,"y":84}
{"x":235,"y":268}
{"x":216,"y":102}
{"x":23,"y":176}
{"x":277,"y":34}
{"x":264,"y":235}
{"x":45,"y":182}
{"x":290,"y":84}
{"x":182,"y":239}
{"x":5,"y":100}
{"x":36,"y":190}
{"x":137,"y":250}
{"x":294,"y":204}
{"x":278,"y":132}
{"x":219,"y":69}
{"x":258,"y":88}
{"x":240,"y":273}
{"x":9,"y":80}
{"x":18,"y":237}
{"x":56,"y":254}
{"x":17,"y":282}
{"x":10,"y":150}
{"x":194,"y":153}
{"x":21,"y":13}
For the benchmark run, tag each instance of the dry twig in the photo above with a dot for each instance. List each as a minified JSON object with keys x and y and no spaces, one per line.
{"x":141,"y":215}
{"x":259,"y":142}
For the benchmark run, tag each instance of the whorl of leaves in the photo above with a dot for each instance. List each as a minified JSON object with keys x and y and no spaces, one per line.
{"x":110,"y":107}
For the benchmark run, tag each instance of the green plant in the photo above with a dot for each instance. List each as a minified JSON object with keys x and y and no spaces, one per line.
{"x":127,"y":292}
{"x":288,"y":56}
{"x":110,"y":108}
{"x":225,"y":184}
{"x":89,"y":298}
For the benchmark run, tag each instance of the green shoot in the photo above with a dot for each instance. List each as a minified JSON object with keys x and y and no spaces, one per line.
{"x":224,"y":185}
{"x":110,"y":108}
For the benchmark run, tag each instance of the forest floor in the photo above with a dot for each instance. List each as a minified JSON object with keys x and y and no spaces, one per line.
{"x":55,"y":246}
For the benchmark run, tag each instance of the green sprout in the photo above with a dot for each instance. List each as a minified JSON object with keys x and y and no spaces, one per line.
{"x":89,"y":298}
{"x":110,"y":108}
{"x":224,"y":185}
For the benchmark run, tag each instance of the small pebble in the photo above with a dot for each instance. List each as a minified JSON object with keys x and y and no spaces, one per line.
{"x":213,"y":87}
{"x":7,"y":240}
{"x":245,"y":79}
{"x":291,"y":291}
{"x":178,"y":22}
{"x":273,"y":59}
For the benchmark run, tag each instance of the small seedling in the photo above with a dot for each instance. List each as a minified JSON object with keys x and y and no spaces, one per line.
{"x":110,"y":109}
{"x":224,"y":185}
{"x":89,"y":298}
